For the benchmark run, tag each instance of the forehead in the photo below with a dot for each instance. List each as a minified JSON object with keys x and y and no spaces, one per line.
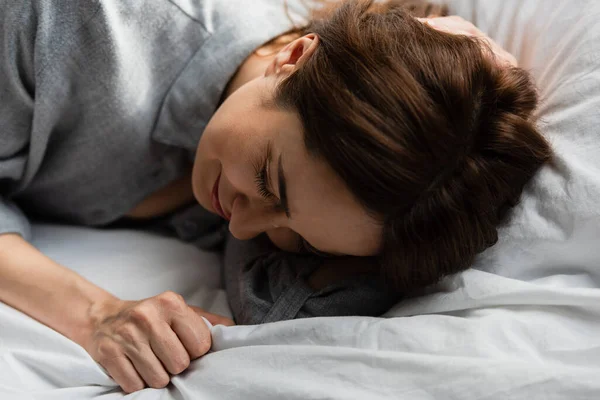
{"x":323,"y":209}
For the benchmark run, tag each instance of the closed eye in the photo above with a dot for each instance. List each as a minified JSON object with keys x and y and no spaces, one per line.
{"x":262,"y":181}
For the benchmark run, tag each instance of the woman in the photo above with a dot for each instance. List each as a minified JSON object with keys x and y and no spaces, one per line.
{"x":367,"y":133}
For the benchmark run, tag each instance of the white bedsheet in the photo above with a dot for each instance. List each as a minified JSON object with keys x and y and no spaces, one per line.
{"x":523,"y":324}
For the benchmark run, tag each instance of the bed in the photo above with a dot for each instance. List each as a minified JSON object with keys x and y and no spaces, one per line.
{"x":523,"y":323}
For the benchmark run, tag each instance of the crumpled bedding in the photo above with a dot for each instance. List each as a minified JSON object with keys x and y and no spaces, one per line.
{"x":524,"y":323}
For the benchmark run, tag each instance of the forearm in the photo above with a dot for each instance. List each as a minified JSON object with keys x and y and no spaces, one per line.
{"x":47,"y":291}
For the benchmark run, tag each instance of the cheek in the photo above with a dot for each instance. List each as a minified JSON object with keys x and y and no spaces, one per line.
{"x":217,"y":146}
{"x":235,"y":156}
{"x":215,"y":136}
{"x":212,"y":154}
{"x":233,"y":133}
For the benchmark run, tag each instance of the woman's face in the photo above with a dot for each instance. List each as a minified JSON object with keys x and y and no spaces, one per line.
{"x":252,"y":168}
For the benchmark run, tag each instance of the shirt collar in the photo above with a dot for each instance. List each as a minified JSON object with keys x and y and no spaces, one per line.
{"x":236,"y":28}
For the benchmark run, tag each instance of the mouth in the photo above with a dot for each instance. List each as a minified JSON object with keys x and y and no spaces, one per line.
{"x":216,"y":203}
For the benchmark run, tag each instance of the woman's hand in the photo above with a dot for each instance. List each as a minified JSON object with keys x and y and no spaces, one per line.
{"x":140,"y":343}
{"x":459,"y":26}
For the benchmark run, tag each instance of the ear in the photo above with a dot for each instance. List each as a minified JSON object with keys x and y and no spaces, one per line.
{"x":293,"y":55}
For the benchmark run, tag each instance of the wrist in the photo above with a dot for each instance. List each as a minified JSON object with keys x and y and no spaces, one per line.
{"x":99,"y":308}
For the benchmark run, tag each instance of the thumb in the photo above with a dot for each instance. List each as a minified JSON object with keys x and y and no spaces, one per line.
{"x":213,"y":318}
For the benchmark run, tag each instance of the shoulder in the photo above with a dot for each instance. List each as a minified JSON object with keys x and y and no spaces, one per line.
{"x":235,"y":28}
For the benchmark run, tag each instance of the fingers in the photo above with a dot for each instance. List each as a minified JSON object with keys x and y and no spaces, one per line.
{"x":130,"y":341}
{"x":190,"y":329}
{"x":213,"y":318}
{"x":458,"y":26}
{"x":123,"y":372}
{"x":140,"y":343}
{"x":148,"y":366}
{"x":453,"y":24}
{"x":193,"y":333}
{"x":168,"y":348}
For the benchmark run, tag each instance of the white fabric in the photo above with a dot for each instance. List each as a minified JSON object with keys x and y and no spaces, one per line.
{"x":525,"y":324}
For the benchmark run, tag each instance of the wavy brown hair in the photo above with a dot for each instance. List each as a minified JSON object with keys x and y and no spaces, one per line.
{"x":432,"y":136}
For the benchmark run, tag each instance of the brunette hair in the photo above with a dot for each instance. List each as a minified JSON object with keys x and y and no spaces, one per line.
{"x":427,"y":130}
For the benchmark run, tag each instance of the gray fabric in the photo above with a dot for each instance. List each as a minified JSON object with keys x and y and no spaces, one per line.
{"x":266,"y":285}
{"x":104,"y":102}
{"x":12,"y":219}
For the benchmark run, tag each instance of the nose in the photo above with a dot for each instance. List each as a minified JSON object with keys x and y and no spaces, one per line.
{"x":250,"y":218}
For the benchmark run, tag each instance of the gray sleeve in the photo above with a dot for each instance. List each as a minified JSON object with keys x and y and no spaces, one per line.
{"x":265,"y":284}
{"x":17,"y":37}
{"x":12,"y":220}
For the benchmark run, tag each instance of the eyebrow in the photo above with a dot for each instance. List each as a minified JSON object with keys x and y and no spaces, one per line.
{"x":283,"y":198}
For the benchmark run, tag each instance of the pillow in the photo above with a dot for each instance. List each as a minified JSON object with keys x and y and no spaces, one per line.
{"x":556,"y":226}
{"x":548,"y":249}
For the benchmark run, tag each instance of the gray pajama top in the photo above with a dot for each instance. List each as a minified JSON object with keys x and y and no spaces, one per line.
{"x":103,"y":102}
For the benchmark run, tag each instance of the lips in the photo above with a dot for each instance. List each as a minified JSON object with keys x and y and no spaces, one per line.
{"x":216,"y":203}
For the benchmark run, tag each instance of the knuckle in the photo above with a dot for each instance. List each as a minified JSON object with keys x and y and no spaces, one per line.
{"x":141,"y":314}
{"x":159,"y":381}
{"x":171,"y":300}
{"x":127,"y":332}
{"x":131,"y":387}
{"x":180,"y":365}
{"x":108,"y":350}
{"x":202,"y":347}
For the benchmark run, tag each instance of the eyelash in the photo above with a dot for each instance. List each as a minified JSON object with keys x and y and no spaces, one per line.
{"x":261,"y":183}
{"x":261,"y":175}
